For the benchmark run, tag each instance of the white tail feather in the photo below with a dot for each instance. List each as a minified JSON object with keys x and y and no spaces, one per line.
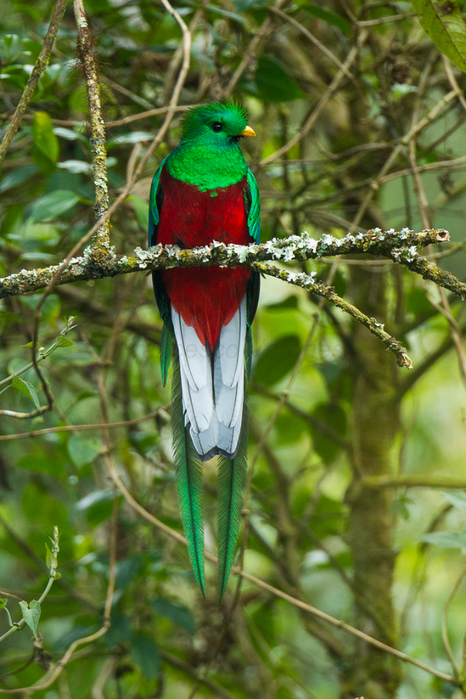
{"x":213,"y":396}
{"x":231,"y":347}
{"x":196,"y":375}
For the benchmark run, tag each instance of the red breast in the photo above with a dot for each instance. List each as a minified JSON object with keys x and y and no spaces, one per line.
{"x":206,"y":297}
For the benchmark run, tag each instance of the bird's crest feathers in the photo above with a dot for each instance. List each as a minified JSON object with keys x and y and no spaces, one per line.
{"x":232,"y":116}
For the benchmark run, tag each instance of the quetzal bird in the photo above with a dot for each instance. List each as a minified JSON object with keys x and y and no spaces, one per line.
{"x":204,"y":191}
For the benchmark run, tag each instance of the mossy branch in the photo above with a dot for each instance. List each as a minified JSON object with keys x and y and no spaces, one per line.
{"x":97,"y":125}
{"x":299,"y":248}
{"x":400,"y":246}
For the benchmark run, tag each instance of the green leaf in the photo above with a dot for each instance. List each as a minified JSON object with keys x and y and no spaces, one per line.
{"x":327,"y":517}
{"x":289,"y":428}
{"x":83,"y":450}
{"x":44,"y":234}
{"x":457,"y":498}
{"x":127,"y":569}
{"x":98,"y":506}
{"x":178,"y":613}
{"x":63,"y":341}
{"x":400,"y":506}
{"x":443,"y":21}
{"x":3,"y":602}
{"x":17,"y":177}
{"x":54,"y":204}
{"x":27,"y":388}
{"x":146,"y":655}
{"x":31,"y":614}
{"x":225,"y":13}
{"x":141,"y":210}
{"x":290,"y":302}
{"x":446,"y":540}
{"x":244,"y":5}
{"x":45,"y":257}
{"x":326,"y":16}
{"x":332,"y":416}
{"x":44,"y":137}
{"x":277,"y":360}
{"x":42,"y":463}
{"x":12,"y":47}
{"x":77,"y":101}
{"x":120,"y":630}
{"x":131,"y":137}
{"x":417,"y":301}
{"x":94,"y":498}
{"x":50,"y":309}
{"x":274,"y":83}
{"x":76,"y":166}
{"x":68,"y":134}
{"x":50,"y":558}
{"x":331,"y":371}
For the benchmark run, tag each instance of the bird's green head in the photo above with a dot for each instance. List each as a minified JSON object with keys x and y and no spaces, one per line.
{"x":217,"y":124}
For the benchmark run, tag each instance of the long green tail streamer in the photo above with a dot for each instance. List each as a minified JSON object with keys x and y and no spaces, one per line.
{"x":166,"y":351}
{"x":232,"y":476}
{"x":188,"y":481}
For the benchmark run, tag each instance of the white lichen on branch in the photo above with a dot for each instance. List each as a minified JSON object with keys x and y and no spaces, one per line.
{"x":400,"y":246}
{"x":293,"y":248}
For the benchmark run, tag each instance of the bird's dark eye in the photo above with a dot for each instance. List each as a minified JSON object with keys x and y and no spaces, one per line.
{"x":217,"y":126}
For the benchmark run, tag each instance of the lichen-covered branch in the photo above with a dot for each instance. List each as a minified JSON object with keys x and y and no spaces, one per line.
{"x":310,"y":283}
{"x":376,"y":242}
{"x":39,"y":67}
{"x":97,"y":125}
{"x":288,"y":249}
{"x":427,"y":270}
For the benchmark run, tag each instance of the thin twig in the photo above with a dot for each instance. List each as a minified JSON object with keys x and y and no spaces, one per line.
{"x":251,"y":51}
{"x":419,"y":126}
{"x":384,"y":20}
{"x":77,"y":428}
{"x":414,"y":480}
{"x":113,"y":123}
{"x":184,"y":667}
{"x":314,"y":41}
{"x":446,"y":640}
{"x":317,"y":111}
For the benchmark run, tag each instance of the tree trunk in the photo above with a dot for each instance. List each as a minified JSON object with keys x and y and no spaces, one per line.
{"x":372,"y":673}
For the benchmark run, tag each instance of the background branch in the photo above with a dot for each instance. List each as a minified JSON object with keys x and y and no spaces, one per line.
{"x":97,"y":126}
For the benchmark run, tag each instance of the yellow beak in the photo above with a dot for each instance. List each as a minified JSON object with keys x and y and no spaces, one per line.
{"x":248,"y":132}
